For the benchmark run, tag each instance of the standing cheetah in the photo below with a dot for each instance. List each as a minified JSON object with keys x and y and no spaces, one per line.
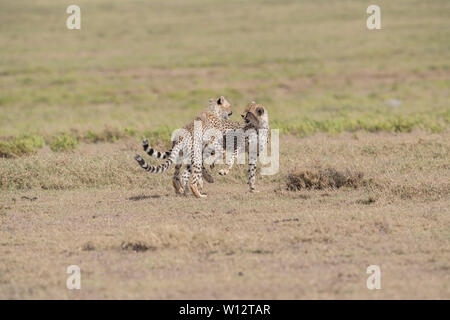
{"x":209,"y":119}
{"x":255,"y":118}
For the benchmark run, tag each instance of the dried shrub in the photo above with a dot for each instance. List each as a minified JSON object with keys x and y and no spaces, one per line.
{"x":137,"y":246}
{"x":323,"y":178}
{"x":88,"y":246}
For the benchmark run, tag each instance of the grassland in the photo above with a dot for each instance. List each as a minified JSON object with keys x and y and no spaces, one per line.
{"x":133,"y":238}
{"x":74,"y":105}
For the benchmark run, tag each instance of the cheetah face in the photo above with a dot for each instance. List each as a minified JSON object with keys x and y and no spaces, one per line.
{"x":225,"y":107}
{"x":220,"y":107}
{"x":255,"y":114}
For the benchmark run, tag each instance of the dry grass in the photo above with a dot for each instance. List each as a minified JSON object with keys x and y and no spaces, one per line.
{"x":133,"y":238}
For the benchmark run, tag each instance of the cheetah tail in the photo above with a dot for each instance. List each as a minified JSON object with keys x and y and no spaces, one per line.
{"x":162,"y":167}
{"x":154,"y":153}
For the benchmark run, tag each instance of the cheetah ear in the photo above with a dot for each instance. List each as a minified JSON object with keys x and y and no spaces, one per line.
{"x":260,"y":111}
{"x":252,"y":103}
{"x":221,"y":100}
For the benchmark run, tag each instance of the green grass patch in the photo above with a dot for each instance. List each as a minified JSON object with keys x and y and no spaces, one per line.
{"x":12,"y":147}
{"x":18,"y":146}
{"x":26,"y":144}
{"x":161,"y":134}
{"x":371,"y":123}
{"x":63,"y":142}
{"x":107,"y":135}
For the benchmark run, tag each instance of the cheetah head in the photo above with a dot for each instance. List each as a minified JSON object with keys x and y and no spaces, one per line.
{"x":221,"y":107}
{"x":256,"y":114}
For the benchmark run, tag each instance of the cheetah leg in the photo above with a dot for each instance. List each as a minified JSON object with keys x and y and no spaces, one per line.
{"x":185,"y":177}
{"x":197,"y":177}
{"x":177,"y":185}
{"x":196,"y":192}
{"x":251,"y":176}
{"x":176,"y":180}
{"x":208,"y":177}
{"x":230,"y":162}
{"x":200,"y":184}
{"x":217,"y":155}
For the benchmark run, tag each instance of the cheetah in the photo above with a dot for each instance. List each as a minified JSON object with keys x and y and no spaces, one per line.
{"x":209,"y":119}
{"x":255,"y":129}
{"x":255,"y":117}
{"x":221,"y":107}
